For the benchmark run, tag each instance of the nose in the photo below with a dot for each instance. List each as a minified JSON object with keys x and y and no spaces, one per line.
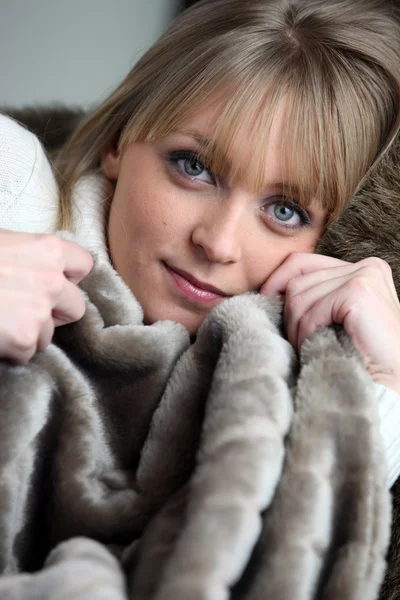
{"x":218,"y":233}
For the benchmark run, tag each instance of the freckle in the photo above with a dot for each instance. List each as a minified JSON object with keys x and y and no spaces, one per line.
{"x":164,"y":223}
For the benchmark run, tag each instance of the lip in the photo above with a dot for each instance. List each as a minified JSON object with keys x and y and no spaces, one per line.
{"x":194,"y":288}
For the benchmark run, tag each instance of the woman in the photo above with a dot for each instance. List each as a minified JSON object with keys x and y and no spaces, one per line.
{"x":214,"y":169}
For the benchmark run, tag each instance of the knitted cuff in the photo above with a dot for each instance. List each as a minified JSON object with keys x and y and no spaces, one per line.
{"x":389,"y":413}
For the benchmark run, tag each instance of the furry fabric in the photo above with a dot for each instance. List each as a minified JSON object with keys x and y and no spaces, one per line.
{"x":134,"y":464}
{"x":370,"y":227}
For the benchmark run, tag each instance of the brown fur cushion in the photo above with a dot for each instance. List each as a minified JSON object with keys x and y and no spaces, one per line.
{"x":52,"y":124}
{"x":371,"y":224}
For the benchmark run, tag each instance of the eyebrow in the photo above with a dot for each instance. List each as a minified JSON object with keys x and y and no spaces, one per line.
{"x":202,"y":140}
{"x":198,"y":137}
{"x":293,"y":187}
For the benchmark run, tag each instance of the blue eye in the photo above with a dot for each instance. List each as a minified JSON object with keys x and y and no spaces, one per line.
{"x":283,"y":212}
{"x":193,"y":167}
{"x":287,"y":213}
{"x":188,"y":164}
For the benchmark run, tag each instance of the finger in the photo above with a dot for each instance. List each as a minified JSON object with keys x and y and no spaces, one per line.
{"x":70,"y":305}
{"x":297,"y":285}
{"x":381,"y":266}
{"x":19,"y":356}
{"x":43,"y":251}
{"x":14,"y":352}
{"x":67,"y":256}
{"x":335,"y":307}
{"x":66,"y":301}
{"x":295,"y":265}
{"x":369,"y":274}
{"x":299,"y":307}
{"x":19,"y":333}
{"x":46,"y":334}
{"x":78,"y":262}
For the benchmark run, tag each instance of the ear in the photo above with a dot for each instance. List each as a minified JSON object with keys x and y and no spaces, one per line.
{"x":110,"y":161}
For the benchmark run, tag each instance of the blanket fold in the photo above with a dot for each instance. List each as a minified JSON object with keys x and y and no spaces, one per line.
{"x":136,"y":464}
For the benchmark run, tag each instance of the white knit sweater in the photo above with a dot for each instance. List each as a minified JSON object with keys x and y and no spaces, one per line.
{"x":29,"y":202}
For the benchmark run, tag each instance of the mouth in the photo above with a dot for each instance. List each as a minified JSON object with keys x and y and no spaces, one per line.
{"x":194,"y":288}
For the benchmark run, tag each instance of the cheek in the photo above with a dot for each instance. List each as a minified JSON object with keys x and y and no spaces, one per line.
{"x":134,"y":199}
{"x":268,"y":255}
{"x":147,"y":211}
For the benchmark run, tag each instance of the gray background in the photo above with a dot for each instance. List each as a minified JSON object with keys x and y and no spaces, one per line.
{"x":73,"y":51}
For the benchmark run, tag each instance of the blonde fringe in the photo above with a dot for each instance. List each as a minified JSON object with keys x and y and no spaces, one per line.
{"x":335,"y":65}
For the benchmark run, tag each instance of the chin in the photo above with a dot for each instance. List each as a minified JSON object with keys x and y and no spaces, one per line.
{"x":190,"y":321}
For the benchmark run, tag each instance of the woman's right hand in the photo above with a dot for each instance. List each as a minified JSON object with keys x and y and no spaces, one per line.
{"x":39,"y":274}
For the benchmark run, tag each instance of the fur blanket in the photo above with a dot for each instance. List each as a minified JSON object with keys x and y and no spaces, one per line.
{"x":135,"y":464}
{"x":370,"y":227}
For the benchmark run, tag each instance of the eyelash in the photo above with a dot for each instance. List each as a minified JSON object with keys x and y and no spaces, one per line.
{"x":175,"y":156}
{"x":305,"y":221}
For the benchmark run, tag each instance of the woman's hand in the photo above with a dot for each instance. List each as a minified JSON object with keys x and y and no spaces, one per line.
{"x":38,"y":277}
{"x":361,"y":296}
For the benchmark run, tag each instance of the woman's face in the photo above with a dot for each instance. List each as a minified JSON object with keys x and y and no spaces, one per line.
{"x":183,"y":239}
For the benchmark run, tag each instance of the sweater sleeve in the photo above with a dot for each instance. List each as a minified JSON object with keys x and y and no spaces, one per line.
{"x":389,"y":413}
{"x":28,"y":190}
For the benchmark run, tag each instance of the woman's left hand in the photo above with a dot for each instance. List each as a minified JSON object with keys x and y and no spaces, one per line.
{"x":320,"y":290}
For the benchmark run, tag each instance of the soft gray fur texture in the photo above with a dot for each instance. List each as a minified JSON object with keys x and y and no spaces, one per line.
{"x":134,"y":464}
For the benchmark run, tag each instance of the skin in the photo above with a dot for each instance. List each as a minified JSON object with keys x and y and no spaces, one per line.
{"x":321,"y":290}
{"x":224,"y":236}
{"x":38,"y":290}
{"x":164,"y":212}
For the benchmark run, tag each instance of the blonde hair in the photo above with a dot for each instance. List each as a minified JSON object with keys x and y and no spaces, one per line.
{"x":335,"y":63}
